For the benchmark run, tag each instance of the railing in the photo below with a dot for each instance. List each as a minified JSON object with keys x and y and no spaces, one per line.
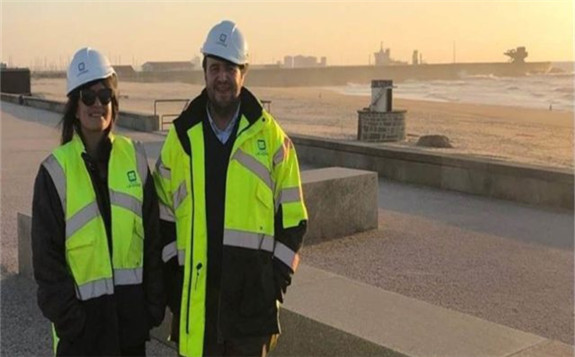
{"x":169,"y":115}
{"x":267,"y":105}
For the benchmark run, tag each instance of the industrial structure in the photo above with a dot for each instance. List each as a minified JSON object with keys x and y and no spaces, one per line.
{"x":517,"y":55}
{"x":300,"y":61}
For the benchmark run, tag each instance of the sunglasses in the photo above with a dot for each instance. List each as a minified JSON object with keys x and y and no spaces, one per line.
{"x":88,"y":96}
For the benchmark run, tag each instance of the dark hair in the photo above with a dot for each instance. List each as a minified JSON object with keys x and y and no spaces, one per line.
{"x":242,"y":67}
{"x":69,"y":121}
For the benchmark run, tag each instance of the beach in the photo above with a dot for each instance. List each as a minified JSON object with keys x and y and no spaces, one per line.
{"x":539,"y":137}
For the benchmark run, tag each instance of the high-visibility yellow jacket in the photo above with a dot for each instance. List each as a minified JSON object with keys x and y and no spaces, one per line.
{"x":263,"y":191}
{"x":97,"y":269}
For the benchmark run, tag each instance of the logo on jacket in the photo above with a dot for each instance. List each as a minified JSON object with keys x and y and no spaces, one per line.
{"x":262,"y":149}
{"x":132,"y":178}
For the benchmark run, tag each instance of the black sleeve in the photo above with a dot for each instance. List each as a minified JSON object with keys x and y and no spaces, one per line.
{"x":173,"y":273}
{"x":153,"y":276}
{"x":56,"y":287}
{"x":293,"y":238}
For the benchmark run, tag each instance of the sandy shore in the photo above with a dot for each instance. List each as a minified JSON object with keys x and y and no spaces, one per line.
{"x":529,"y":136}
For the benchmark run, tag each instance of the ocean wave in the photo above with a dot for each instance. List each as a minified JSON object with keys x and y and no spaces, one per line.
{"x":564,"y":89}
{"x":490,"y":76}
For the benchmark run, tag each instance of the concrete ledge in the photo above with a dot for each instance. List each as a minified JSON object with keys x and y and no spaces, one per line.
{"x":401,"y":324}
{"x":515,"y":182}
{"x":340,"y":202}
{"x":131,"y":120}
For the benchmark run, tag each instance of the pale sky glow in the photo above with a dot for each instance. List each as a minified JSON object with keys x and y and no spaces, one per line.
{"x":346,"y":32}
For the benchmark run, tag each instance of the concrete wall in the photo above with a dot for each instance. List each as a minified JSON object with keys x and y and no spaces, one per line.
{"x":521,"y":183}
{"x":15,"y":80}
{"x":340,"y":202}
{"x":132,"y":120}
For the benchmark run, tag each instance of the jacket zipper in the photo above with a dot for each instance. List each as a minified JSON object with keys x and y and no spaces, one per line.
{"x":192,"y":248}
{"x":220,"y":337}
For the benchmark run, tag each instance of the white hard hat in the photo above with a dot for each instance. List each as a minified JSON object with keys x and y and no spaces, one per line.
{"x":87,"y":65}
{"x":225,"y":40}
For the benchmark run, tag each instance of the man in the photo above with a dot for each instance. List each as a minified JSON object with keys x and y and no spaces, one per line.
{"x":232,"y":211}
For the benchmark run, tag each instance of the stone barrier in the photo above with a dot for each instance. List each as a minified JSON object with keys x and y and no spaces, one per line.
{"x":131,"y":120}
{"x":534,"y":185}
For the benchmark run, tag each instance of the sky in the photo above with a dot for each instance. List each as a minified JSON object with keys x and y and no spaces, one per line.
{"x":48,"y":33}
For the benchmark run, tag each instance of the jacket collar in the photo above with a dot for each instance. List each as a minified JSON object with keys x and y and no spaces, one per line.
{"x":250,"y":109}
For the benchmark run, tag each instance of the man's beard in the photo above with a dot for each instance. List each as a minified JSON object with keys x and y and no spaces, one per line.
{"x":221,"y":109}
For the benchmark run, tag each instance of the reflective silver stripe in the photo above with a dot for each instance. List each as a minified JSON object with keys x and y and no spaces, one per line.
{"x":280,"y":155}
{"x":288,"y":195}
{"x":95,"y":289}
{"x":162,"y":170}
{"x":56,"y":172}
{"x":166,"y":213}
{"x":81,"y":218}
{"x":181,"y":257}
{"x":254,"y":166}
{"x":248,"y":240}
{"x":141,"y":161}
{"x":286,"y":255}
{"x":180,"y":194}
{"x":170,"y":250}
{"x":126,"y":201}
{"x":130,"y":276}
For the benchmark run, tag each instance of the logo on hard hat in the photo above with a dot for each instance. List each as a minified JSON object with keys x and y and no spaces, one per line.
{"x":223,"y":38}
{"x":82,"y":68}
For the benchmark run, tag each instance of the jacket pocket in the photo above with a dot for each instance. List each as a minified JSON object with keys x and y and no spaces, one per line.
{"x":80,"y":254}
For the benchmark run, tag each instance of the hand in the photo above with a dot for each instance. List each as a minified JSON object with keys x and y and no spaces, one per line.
{"x":282,"y":279}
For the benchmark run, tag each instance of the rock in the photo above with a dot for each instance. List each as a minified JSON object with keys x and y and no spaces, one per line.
{"x":434,"y":141}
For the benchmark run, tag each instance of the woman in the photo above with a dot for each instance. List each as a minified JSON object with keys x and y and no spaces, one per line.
{"x":95,"y":239}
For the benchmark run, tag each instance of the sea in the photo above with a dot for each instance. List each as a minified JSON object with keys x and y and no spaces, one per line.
{"x":552,"y":91}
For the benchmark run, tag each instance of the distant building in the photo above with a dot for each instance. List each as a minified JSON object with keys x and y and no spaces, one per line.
{"x":167,"y":66}
{"x":300,"y":61}
{"x":3,"y":65}
{"x":124,"y":71}
{"x":415,"y":57}
{"x":383,"y":57}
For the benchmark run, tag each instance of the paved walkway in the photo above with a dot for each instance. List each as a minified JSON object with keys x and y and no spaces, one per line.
{"x":500,"y":261}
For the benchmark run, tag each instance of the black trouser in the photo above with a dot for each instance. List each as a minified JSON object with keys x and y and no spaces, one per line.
{"x":244,"y":347}
{"x":139,"y":350}
{"x":258,"y":346}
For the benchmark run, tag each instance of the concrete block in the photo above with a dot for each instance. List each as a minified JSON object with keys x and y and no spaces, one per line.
{"x":138,"y":121}
{"x":340,"y":202}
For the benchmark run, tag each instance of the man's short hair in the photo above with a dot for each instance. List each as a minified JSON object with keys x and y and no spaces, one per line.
{"x":240,"y":66}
